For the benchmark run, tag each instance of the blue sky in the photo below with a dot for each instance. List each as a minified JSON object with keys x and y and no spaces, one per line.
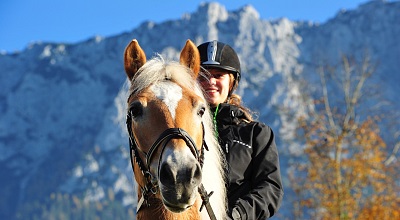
{"x":70,"y":21}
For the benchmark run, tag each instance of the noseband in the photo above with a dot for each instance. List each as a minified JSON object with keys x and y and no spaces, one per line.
{"x":151,"y":186}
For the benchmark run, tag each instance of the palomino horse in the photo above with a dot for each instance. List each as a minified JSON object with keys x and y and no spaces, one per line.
{"x":174,"y":152}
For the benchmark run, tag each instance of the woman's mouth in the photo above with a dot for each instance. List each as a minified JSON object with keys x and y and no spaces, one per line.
{"x":212,"y":90}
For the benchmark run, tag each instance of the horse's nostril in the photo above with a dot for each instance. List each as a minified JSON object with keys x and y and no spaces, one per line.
{"x":171,"y":175}
{"x":196,"y":178}
{"x":167,"y":175}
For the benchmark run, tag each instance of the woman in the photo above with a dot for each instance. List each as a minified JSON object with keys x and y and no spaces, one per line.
{"x":254,"y":182}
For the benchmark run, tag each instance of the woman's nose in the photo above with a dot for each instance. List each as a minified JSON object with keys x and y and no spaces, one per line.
{"x":212,"y":80}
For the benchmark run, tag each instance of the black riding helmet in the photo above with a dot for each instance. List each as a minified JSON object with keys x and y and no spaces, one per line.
{"x":215,"y":54}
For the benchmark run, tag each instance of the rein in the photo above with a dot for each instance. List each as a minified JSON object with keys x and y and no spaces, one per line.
{"x":151,"y":185}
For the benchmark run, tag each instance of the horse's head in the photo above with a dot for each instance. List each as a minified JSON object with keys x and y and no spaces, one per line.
{"x":165,"y":110}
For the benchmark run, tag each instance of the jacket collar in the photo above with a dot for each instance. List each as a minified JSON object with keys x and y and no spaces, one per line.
{"x":228,"y":114}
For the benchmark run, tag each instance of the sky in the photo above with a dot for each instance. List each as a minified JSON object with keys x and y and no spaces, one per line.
{"x":23,"y":22}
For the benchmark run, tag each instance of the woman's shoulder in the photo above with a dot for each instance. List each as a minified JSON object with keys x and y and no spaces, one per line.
{"x":257,"y":127}
{"x":236,"y":118}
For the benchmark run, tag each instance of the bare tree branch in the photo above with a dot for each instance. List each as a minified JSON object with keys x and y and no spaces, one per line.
{"x":392,"y":156}
{"x":326,"y":101}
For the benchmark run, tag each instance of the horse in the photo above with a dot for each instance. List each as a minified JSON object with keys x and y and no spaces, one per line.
{"x":175,"y":156}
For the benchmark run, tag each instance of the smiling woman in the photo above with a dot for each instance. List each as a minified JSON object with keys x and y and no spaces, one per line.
{"x":254,"y":181}
{"x":216,"y":84}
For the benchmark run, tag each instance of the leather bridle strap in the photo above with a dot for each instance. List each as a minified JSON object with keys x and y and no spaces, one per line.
{"x":206,"y":201}
{"x":167,"y":135}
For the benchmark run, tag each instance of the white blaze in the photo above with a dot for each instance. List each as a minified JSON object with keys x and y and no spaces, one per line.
{"x":170,"y":93}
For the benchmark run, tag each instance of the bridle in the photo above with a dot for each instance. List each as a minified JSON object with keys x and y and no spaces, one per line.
{"x":151,"y":185}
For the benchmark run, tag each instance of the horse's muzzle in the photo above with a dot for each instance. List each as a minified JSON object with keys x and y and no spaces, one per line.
{"x":179,"y":181}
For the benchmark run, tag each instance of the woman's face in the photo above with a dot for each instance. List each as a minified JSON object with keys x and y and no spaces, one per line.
{"x":216,"y":86}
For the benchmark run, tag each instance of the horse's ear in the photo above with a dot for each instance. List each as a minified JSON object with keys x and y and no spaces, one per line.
{"x":134,"y":58}
{"x":190,"y":57}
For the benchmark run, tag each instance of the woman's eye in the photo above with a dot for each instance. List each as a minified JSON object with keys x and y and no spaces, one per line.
{"x":203,"y":78}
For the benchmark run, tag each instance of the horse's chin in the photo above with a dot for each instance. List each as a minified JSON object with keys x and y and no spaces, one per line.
{"x":175,"y":203}
{"x":175,"y":208}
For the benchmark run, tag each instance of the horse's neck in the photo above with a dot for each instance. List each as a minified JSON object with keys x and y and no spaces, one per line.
{"x":157,"y":211}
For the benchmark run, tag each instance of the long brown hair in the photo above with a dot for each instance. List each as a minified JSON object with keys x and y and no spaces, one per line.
{"x":236,"y":100}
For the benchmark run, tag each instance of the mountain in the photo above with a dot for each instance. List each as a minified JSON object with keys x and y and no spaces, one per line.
{"x":63,"y":105}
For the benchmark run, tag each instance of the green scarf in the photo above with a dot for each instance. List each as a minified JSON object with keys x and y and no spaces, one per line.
{"x":215,"y":120}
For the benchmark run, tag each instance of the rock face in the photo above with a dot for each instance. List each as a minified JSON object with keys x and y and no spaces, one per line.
{"x":63,"y":106}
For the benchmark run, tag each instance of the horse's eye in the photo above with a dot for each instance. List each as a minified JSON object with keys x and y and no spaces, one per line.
{"x":201,"y":111}
{"x":136,"y":110}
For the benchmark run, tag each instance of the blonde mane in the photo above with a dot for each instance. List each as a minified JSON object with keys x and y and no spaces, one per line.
{"x":157,"y":69}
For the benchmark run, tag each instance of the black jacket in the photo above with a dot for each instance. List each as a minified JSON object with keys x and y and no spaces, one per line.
{"x":254,"y":181}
